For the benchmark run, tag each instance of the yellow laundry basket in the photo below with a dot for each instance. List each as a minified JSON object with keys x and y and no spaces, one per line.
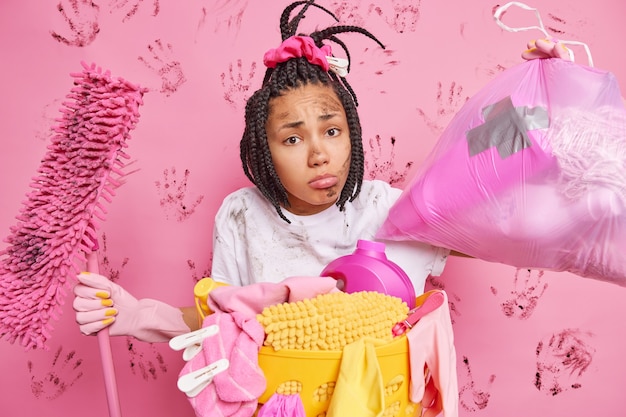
{"x":314,"y":373}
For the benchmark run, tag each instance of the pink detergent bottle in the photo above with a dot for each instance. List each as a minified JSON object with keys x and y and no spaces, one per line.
{"x":368,"y":269}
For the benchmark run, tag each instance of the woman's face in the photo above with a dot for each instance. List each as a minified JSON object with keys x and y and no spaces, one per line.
{"x":309,"y":139}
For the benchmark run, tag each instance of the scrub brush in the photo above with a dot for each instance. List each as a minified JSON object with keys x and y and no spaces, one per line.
{"x":57,"y":225}
{"x":331,"y":321}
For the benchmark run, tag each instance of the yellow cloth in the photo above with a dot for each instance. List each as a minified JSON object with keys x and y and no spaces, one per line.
{"x":359,"y":390}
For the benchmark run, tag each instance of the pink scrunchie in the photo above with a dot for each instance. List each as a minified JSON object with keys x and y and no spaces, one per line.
{"x":297,"y":47}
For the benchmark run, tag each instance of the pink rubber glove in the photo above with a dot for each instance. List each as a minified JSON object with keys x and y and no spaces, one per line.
{"x":100,"y":303}
{"x":546,"y":48}
{"x":431,"y":345}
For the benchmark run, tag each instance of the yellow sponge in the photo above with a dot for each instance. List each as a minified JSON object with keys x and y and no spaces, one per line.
{"x":331,"y":321}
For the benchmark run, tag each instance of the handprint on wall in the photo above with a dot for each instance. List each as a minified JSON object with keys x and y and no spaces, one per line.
{"x":227,"y":15}
{"x":448,"y":103}
{"x":130,"y":8}
{"x":63,"y":373}
{"x":381,"y":60}
{"x":173,"y":193}
{"x":401,"y":15}
{"x":197,"y":276}
{"x":140,"y":364}
{"x":557,"y":25}
{"x":381,"y":167}
{"x":163,"y":64}
{"x":48,"y":119}
{"x":237,"y":85}
{"x":348,"y":12}
{"x":107,"y":269}
{"x":488,"y":70}
{"x":471,"y":397}
{"x":81,"y":17}
{"x":566,"y":29}
{"x":525,"y":295}
{"x":435,"y":283}
{"x":562,"y":358}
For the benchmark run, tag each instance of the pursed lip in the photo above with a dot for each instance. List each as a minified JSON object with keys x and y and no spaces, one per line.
{"x":323,"y":181}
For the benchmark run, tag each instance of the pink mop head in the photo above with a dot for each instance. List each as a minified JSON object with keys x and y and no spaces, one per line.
{"x":56,"y":224}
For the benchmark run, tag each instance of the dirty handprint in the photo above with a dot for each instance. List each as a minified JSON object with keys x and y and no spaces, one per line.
{"x":524,"y":300}
{"x":64,"y":371}
{"x":173,"y":192}
{"x":163,"y":64}
{"x":379,"y":166}
{"x":130,"y":8}
{"x":471,"y":397}
{"x":147,"y":368}
{"x":107,"y":267}
{"x":237,"y":84}
{"x":448,"y":103}
{"x":81,"y":17}
{"x":401,"y":15}
{"x":562,"y":358}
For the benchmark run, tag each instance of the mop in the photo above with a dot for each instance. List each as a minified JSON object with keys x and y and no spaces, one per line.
{"x":56,"y":233}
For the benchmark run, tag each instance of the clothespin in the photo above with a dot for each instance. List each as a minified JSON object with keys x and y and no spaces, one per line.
{"x":192,"y":342}
{"x":194,"y":382}
{"x":338,"y":65}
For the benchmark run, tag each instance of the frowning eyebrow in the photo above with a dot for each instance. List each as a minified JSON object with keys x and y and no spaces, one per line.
{"x":298,"y":123}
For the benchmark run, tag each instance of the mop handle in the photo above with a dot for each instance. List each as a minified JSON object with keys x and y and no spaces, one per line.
{"x":106,"y":357}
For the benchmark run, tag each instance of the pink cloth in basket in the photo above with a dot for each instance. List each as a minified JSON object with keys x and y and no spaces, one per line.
{"x":252,"y":299}
{"x":431,"y":346}
{"x":235,"y":392}
{"x":283,"y":405}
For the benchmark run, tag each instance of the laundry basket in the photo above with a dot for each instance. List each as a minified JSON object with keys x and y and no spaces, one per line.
{"x":315,"y":373}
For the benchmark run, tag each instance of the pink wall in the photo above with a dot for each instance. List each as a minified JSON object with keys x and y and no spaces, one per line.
{"x":200,"y":60}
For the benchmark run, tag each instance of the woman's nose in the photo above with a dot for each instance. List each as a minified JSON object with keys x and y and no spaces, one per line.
{"x":318,"y":155}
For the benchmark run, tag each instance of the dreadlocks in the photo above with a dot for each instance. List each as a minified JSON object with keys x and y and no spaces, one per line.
{"x":293,"y":73}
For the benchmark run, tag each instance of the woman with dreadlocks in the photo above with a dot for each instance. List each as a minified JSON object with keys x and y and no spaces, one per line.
{"x":302,"y":149}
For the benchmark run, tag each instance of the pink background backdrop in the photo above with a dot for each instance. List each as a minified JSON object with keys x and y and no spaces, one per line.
{"x":201,"y":59}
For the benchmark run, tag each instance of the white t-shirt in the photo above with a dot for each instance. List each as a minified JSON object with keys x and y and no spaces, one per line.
{"x":251,"y":243}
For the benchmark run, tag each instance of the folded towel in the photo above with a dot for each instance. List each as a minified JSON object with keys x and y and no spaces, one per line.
{"x":235,"y":391}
